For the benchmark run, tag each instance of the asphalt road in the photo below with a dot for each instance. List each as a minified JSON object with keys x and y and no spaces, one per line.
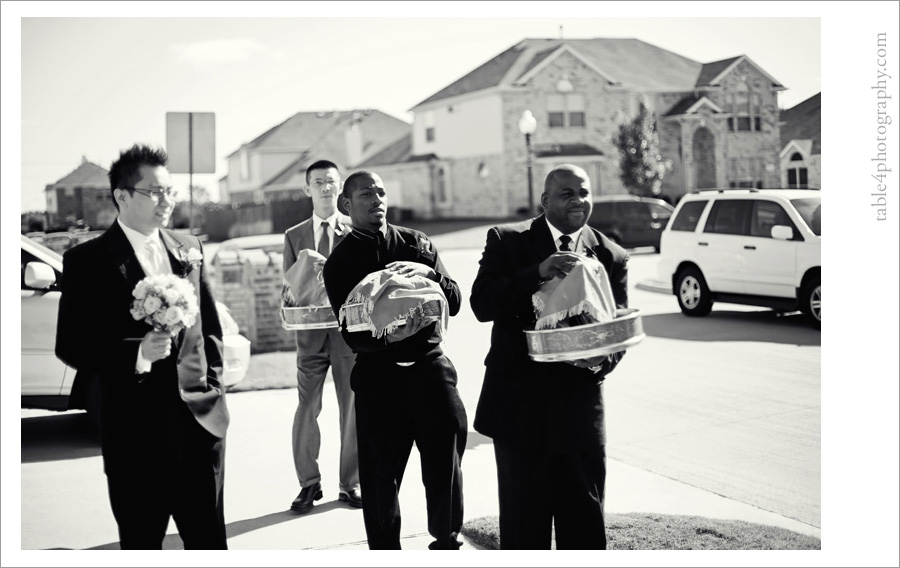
{"x":729,"y":403}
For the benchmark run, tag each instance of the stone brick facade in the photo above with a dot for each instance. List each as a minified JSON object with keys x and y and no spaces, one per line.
{"x":251,"y":288}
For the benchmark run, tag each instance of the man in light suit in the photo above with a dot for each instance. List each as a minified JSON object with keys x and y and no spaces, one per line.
{"x":317,"y":349}
{"x":162,"y":402}
{"x":546,"y":419}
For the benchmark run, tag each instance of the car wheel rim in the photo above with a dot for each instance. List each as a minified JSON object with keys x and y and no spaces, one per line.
{"x":690,"y":291}
{"x":815,"y":303}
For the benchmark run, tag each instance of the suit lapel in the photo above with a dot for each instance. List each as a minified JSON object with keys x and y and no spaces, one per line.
{"x":541,"y":238}
{"x":123,"y":255}
{"x":597,"y":248}
{"x":175,"y":253}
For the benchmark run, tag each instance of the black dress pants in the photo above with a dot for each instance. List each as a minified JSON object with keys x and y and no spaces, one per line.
{"x":148,"y":486}
{"x":542,"y":489}
{"x":397,"y":406}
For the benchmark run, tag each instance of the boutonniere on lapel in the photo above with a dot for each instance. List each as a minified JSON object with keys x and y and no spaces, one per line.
{"x":190,"y":260}
{"x":339,"y":229}
{"x":424,"y":247}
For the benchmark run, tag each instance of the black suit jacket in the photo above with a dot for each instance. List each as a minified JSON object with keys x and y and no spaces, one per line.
{"x":141,"y":415}
{"x":553,"y":406}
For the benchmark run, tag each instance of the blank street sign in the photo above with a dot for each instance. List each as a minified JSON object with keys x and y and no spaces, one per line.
{"x":191,"y":142}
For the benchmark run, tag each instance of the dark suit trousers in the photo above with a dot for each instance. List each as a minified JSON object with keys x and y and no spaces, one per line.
{"x":150,"y":482}
{"x":395,"y":407}
{"x":541,"y":488}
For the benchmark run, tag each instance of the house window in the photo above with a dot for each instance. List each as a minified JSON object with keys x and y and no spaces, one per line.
{"x":746,"y":172}
{"x":797,"y":174}
{"x":429,"y":126}
{"x":745,"y":110}
{"x":565,"y":110}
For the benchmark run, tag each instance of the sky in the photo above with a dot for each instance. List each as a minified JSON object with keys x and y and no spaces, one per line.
{"x":75,"y":85}
{"x":91,"y":86}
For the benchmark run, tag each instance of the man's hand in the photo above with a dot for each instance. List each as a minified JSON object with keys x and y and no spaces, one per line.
{"x":408,"y":268}
{"x":413,"y":325}
{"x":156,"y":345}
{"x":558,"y":264}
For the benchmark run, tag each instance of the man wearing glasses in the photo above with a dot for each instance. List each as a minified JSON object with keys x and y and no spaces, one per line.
{"x":162,"y":403}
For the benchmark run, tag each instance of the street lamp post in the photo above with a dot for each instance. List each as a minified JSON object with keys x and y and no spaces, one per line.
{"x":527,"y":126}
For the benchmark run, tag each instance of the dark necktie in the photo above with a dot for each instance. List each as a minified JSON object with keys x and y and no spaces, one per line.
{"x":324,"y":249}
{"x":564,"y":242}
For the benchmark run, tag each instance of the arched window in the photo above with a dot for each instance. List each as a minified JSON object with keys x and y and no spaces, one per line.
{"x":797,"y":173}
{"x":796,"y":157}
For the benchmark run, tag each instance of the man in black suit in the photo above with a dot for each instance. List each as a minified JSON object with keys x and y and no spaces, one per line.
{"x":546,"y":419}
{"x":404,"y":384}
{"x":162,"y":403}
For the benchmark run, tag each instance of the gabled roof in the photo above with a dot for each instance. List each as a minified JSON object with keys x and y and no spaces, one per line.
{"x":710,"y":71}
{"x":397,"y":153}
{"x":633,"y":63}
{"x":690,"y":105}
{"x":803,"y":122}
{"x":324,"y":130}
{"x":713,"y":73}
{"x":87,"y":174}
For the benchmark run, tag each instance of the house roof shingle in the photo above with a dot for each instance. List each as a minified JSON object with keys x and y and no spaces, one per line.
{"x":633,"y":62}
{"x":86,"y":174}
{"x":803,"y":122}
{"x":712,"y":70}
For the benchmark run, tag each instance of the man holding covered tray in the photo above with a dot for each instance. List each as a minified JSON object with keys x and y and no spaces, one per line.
{"x":319,"y":343}
{"x":393,"y":296}
{"x":546,"y":418}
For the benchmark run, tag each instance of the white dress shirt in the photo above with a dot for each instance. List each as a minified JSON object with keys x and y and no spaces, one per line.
{"x":576,"y":244}
{"x":152,"y":267}
{"x":317,"y":233}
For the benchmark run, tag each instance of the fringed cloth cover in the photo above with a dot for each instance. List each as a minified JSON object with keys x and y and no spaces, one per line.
{"x":388,"y":299}
{"x":303,"y":285}
{"x":584,"y":296}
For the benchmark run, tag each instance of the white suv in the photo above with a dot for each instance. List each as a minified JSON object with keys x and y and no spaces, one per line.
{"x":761,"y":247}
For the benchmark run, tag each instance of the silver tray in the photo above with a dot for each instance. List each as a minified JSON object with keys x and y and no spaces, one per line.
{"x":314,"y":317}
{"x":358,"y":320}
{"x":586,"y":341}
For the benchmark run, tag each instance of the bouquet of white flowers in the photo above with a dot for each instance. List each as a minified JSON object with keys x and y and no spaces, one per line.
{"x":167,"y":302}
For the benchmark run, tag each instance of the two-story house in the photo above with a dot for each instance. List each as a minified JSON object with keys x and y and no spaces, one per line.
{"x":718,"y":123}
{"x":81,"y":195}
{"x":801,"y":141}
{"x":272,"y":166}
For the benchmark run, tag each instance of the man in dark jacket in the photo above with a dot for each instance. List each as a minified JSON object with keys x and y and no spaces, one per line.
{"x":546,"y":419}
{"x":162,"y":401}
{"x":405,"y":386}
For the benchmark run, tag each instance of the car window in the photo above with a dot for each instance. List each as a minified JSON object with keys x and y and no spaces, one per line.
{"x":632,"y":211}
{"x":729,"y":217}
{"x":810,"y":208}
{"x":602,"y":212}
{"x":689,"y":216}
{"x":767,"y":214}
{"x":657,"y":211}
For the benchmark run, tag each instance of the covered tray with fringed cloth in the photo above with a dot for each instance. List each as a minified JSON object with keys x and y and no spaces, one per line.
{"x":383,"y":301}
{"x":577,"y":319}
{"x":305,"y":304}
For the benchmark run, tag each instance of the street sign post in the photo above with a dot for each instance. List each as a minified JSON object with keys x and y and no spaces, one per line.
{"x":191,"y":146}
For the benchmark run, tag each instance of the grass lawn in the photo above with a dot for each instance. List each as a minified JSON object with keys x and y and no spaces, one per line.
{"x":650,"y":531}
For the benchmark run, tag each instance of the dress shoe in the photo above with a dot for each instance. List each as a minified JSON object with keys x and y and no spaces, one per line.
{"x":304,"y":500}
{"x":352,"y":498}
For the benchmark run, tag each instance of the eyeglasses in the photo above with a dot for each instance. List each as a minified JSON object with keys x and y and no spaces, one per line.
{"x":155,"y":194}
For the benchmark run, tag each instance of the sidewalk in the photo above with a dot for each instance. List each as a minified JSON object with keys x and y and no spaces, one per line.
{"x":260,"y":519}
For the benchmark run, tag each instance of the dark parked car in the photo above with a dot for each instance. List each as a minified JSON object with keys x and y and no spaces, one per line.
{"x":629,"y":220}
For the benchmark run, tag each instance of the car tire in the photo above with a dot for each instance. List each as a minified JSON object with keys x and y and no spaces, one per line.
{"x":693,"y":295}
{"x":811,"y":301}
